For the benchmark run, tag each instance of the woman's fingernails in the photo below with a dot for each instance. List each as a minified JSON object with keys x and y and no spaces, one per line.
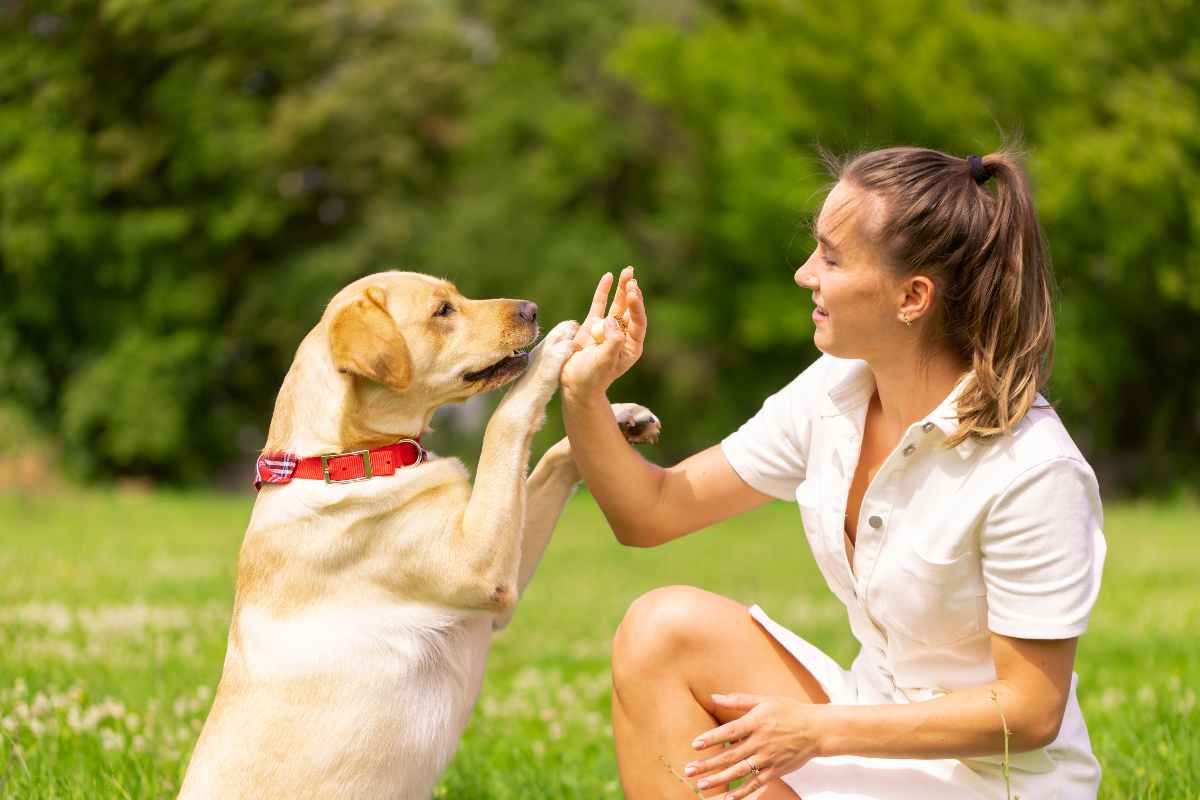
{"x":689,"y":769}
{"x":703,"y":784}
{"x":698,"y":744}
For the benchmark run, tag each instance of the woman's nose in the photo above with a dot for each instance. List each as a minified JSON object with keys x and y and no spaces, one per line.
{"x":804,"y":277}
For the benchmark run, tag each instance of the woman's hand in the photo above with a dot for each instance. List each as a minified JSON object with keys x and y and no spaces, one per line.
{"x":774,"y":736}
{"x":597,"y":364}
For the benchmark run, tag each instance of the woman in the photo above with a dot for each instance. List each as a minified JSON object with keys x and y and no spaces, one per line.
{"x":943,"y":500}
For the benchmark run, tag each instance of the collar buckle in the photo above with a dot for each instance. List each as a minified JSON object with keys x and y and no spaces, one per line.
{"x":366,"y":458}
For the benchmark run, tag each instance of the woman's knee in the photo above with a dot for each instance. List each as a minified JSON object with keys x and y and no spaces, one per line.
{"x":665,"y":624}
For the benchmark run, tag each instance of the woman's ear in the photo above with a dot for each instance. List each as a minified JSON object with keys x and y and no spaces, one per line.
{"x":917,"y":299}
{"x":364,"y":340}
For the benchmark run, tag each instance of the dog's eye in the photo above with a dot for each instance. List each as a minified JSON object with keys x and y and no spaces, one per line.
{"x":444,"y":310}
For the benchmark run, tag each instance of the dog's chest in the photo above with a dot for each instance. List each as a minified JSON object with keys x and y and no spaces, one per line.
{"x":412,"y":672}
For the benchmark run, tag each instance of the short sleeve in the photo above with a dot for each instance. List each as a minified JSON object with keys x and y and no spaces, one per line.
{"x":770,"y":450}
{"x":1043,"y":552}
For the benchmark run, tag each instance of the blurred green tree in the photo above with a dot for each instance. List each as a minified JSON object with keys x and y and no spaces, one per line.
{"x":184,"y":185}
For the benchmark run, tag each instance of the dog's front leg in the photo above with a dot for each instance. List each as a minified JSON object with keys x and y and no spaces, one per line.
{"x":551,"y":484}
{"x":487,"y":544}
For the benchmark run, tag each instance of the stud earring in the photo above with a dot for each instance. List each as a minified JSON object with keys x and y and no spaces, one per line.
{"x":904,"y":318}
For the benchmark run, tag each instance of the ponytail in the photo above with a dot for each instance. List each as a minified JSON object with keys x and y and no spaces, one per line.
{"x":970,"y":225}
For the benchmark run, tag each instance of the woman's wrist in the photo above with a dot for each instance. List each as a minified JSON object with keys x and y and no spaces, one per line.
{"x":831,"y":722}
{"x":584,"y":396}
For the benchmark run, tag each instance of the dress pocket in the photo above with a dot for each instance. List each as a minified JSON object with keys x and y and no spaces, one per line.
{"x":934,"y":603}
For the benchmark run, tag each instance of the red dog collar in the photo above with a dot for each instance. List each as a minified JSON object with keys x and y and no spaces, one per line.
{"x":356,"y":465}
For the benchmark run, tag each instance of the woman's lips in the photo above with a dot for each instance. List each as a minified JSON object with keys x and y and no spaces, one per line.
{"x":819,"y":314}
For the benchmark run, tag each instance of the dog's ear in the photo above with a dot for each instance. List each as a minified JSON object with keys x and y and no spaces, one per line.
{"x":364,"y":340}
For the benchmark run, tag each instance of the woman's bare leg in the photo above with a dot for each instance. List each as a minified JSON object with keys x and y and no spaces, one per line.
{"x":676,"y":647}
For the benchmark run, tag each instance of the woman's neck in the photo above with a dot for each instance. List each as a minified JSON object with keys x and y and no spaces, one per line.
{"x":910,"y":386}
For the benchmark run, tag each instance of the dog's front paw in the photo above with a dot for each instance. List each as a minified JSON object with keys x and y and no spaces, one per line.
{"x":638,"y":423}
{"x":547,"y":359}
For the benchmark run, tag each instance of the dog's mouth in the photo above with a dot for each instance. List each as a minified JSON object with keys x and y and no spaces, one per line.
{"x":509,"y":366}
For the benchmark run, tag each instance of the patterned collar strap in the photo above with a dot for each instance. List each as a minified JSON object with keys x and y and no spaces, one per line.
{"x":356,"y":465}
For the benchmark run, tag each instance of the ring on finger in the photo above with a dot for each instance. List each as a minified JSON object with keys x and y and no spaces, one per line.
{"x":754,"y":770}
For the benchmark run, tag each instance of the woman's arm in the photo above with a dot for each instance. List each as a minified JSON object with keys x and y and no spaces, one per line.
{"x":780,"y":734}
{"x":644,"y":504}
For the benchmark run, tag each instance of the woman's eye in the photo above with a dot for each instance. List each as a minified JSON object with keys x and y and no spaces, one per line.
{"x":444,"y":310}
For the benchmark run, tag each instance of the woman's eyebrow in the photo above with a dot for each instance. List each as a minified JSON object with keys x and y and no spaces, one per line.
{"x":828,"y":245}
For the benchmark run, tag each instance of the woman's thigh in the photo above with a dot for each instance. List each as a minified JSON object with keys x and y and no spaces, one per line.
{"x":711,"y":644}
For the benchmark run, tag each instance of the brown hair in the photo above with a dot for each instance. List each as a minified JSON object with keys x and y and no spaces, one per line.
{"x":984,"y":250}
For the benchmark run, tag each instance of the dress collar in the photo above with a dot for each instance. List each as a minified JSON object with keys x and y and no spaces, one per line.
{"x":857,"y":384}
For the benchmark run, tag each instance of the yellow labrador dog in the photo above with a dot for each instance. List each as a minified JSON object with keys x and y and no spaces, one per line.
{"x":365,"y":607}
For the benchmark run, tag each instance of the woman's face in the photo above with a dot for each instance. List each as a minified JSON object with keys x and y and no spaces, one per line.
{"x":855,"y":296}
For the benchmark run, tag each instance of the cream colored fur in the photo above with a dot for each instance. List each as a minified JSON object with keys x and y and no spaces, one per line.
{"x":364,"y":611}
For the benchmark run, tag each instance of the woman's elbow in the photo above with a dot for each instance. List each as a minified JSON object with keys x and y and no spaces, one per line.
{"x":636,"y":535}
{"x":1038,"y":732}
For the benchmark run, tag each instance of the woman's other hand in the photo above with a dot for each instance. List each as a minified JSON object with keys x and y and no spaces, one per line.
{"x":606,"y":352}
{"x":774,"y":736}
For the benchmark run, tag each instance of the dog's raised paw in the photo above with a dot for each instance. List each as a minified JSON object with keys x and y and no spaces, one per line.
{"x":638,"y":424}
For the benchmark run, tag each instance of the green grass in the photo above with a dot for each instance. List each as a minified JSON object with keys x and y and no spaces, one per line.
{"x":114,"y":611}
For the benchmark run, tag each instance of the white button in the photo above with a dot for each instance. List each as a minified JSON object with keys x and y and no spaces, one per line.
{"x":927,"y":427}
{"x":875,"y":521}
{"x":908,"y":451}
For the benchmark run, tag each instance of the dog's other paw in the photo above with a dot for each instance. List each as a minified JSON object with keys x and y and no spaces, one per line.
{"x":638,"y":423}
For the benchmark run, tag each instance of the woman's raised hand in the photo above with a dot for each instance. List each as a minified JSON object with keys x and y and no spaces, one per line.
{"x":607,"y":345}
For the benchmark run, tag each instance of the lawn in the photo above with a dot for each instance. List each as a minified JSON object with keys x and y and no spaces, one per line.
{"x":114,"y":610}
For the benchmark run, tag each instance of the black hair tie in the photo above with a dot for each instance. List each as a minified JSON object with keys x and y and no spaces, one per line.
{"x":979,"y":171}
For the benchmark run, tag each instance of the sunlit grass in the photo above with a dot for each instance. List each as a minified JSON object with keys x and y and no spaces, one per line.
{"x":114,"y":611}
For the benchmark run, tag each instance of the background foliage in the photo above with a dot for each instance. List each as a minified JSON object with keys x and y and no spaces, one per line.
{"x":184,"y":185}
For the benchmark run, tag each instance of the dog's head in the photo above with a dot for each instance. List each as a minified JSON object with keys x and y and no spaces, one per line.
{"x":418,"y":335}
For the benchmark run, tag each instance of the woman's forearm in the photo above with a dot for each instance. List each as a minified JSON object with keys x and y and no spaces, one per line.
{"x":961,"y":724}
{"x":625,"y":485}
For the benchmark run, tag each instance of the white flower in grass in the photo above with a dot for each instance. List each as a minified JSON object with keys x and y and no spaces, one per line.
{"x":1145,"y":695}
{"x":111,"y":740}
{"x":1111,"y":698}
{"x":37,"y":728}
{"x":1187,"y":703}
{"x":139,"y":743}
{"x":9,"y":725}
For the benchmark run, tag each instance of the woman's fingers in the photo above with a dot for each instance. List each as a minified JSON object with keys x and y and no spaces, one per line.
{"x":729,"y":757}
{"x":729,"y":732}
{"x":755,"y":783}
{"x":617,"y":309}
{"x":636,"y":313}
{"x":738,"y":702}
{"x":740,"y":769}
{"x":600,"y":298}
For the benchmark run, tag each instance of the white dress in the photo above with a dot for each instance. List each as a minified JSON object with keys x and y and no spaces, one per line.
{"x":1003,"y":536}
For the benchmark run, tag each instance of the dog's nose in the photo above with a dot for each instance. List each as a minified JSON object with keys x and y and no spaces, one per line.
{"x":527,"y":311}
